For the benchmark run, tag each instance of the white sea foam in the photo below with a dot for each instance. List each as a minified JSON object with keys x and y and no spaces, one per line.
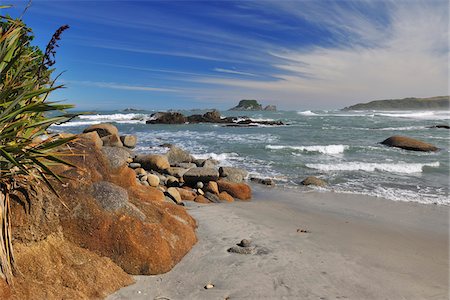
{"x":307,"y":113}
{"x":406,"y":168}
{"x":426,"y":115}
{"x":325,"y":149}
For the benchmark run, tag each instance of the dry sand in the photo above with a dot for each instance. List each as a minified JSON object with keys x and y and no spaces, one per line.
{"x":357,"y":247}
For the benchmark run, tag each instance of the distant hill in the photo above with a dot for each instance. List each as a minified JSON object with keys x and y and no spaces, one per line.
{"x":252,"y":105}
{"x":431,"y":103}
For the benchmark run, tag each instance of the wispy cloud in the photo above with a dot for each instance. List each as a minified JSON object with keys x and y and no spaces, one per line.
{"x":233,"y":72}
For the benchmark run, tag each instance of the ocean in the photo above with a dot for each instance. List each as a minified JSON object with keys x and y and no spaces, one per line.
{"x":340,"y":147}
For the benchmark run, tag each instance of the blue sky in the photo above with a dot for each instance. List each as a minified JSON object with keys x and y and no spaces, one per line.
{"x":205,"y":54}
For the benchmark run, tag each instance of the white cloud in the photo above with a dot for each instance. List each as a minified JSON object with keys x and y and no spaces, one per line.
{"x":119,"y":86}
{"x":233,"y":72}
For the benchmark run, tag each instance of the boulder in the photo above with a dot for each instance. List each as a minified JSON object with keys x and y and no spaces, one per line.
{"x":237,"y":190}
{"x":233,"y":174}
{"x":312,"y":180}
{"x":94,"y":137}
{"x":209,"y":163}
{"x":212,"y":116}
{"x":265,"y":181}
{"x":117,"y":157}
{"x":186,"y":165}
{"x":174,"y":195}
{"x":212,"y":197}
{"x":212,"y":187}
{"x":224,"y":196}
{"x":185,"y":194}
{"x":407,"y":143}
{"x":201,"y":199}
{"x":176,"y":171}
{"x":194,"y":175}
{"x":103,"y":129}
{"x":444,"y":126}
{"x":110,"y":196}
{"x":177,"y":155}
{"x":172,"y":181}
{"x":128,"y":141}
{"x":153,"y":162}
{"x":153,"y":180}
{"x":167,"y":118}
{"x":112,"y":141}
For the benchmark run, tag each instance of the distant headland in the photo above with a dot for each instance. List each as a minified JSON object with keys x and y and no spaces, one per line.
{"x":431,"y":103}
{"x":252,"y":105}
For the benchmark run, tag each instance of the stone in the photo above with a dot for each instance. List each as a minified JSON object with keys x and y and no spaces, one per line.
{"x":212,"y":187}
{"x":112,"y":141}
{"x":117,"y":157}
{"x":95,"y":138}
{"x":174,"y":195}
{"x":153,"y":180}
{"x":443,"y":126}
{"x":186,"y":165}
{"x":110,"y":196}
{"x":140,"y":171}
{"x":224,"y":196}
{"x":212,"y":197}
{"x":172,"y":181}
{"x":176,"y":171}
{"x":200,"y":192}
{"x":245,"y":243}
{"x":143,"y":178}
{"x":167,"y":118}
{"x":177,"y":155}
{"x":407,"y":143}
{"x":145,"y":183}
{"x":134,"y":165}
{"x":209,"y":286}
{"x":199,"y":162}
{"x":264,"y":181}
{"x":237,"y":190}
{"x":128,"y":141}
{"x":242,"y":250}
{"x":312,"y":180}
{"x":153,"y":162}
{"x":187,"y":195}
{"x":199,"y":185}
{"x":233,"y":174}
{"x":210,"y":163}
{"x":103,"y":129}
{"x":194,"y":175}
{"x":201,"y":199}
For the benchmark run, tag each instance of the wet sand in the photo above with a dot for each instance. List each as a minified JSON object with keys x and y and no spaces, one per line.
{"x":354,"y":247}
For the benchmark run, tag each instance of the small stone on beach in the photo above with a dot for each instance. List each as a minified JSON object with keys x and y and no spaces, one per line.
{"x":245,"y":243}
{"x":209,"y":286}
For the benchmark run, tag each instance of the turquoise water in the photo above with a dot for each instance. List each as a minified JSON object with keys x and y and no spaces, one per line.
{"x":341,"y":147}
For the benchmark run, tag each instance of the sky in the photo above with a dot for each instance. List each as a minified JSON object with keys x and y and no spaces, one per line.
{"x":210,"y":54}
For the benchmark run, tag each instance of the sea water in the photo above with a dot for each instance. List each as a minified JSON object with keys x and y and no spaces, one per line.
{"x":340,"y":147}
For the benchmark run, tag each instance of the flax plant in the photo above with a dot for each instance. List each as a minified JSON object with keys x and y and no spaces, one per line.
{"x":27,"y":150}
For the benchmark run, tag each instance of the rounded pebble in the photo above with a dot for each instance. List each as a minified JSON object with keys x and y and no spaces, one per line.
{"x":199,"y":185}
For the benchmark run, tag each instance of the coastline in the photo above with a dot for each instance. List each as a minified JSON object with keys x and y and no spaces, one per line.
{"x":356,"y":247}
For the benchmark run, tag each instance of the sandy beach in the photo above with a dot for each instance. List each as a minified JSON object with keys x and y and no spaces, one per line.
{"x":354,"y":247}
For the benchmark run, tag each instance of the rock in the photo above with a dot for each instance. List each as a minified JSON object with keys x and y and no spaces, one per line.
{"x":187,"y":195}
{"x":407,"y":143}
{"x":242,"y":250}
{"x":95,"y":138}
{"x":199,"y":162}
{"x":270,"y":108}
{"x":212,"y":197}
{"x":212,"y":116}
{"x":199,"y":185}
{"x":134,"y":165}
{"x":194,"y":175}
{"x":224,"y":196}
{"x":140,"y":171}
{"x":212,"y":187}
{"x":153,"y":180}
{"x":145,"y":183}
{"x":172,"y":181}
{"x":128,"y":141}
{"x":112,"y":141}
{"x":117,"y":157}
{"x":174,"y":195}
{"x":143,"y":178}
{"x":209,"y":286}
{"x":210,"y":163}
{"x":312,"y":180}
{"x":176,"y":171}
{"x":200,"y":192}
{"x":153,"y":162}
{"x":245,"y":243}
{"x":233,"y":174}
{"x":177,"y":155}
{"x":265,"y":181}
{"x":103,"y":129}
{"x":186,"y":165}
{"x":110,"y":196}
{"x":166,"y":145}
{"x":201,"y":199}
{"x":237,"y":190}
{"x":167,"y":118}
{"x":444,"y":126}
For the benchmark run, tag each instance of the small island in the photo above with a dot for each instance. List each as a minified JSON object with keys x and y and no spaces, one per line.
{"x":253,"y":105}
{"x":431,"y":103}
